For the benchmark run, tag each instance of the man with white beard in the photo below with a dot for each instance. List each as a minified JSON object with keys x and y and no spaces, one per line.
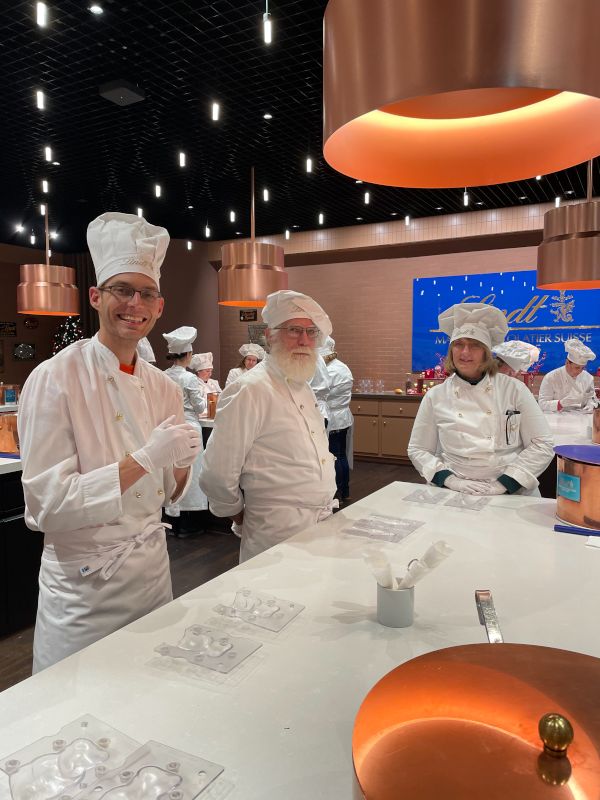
{"x":267,"y":464}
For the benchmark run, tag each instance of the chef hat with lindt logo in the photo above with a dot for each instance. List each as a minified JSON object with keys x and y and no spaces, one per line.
{"x":126,"y":243}
{"x":578,"y":352}
{"x":480,"y":321}
{"x":251,"y":349}
{"x":201,"y":361}
{"x":286,"y":304}
{"x":180,"y":340}
{"x":518,"y":355}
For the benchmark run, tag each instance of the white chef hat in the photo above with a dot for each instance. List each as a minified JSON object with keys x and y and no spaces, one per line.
{"x":251,"y":349}
{"x":201,"y":361}
{"x":578,"y":352}
{"x":480,"y":321}
{"x":328,"y":347}
{"x":286,"y":304}
{"x":145,"y":351}
{"x":518,"y":355}
{"x":126,"y":243}
{"x":180,"y":340}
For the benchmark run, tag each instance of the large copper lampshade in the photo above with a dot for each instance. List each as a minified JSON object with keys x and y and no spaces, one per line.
{"x":250,"y":270}
{"x":430,"y":93}
{"x":569,"y":255}
{"x":46,"y":289}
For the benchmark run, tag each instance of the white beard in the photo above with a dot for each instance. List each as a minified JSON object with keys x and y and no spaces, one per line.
{"x":294,"y":366}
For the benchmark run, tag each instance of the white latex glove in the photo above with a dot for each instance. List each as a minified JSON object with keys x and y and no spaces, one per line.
{"x":463,"y":485}
{"x":572,"y":400}
{"x":491,"y":487}
{"x":169,"y":445}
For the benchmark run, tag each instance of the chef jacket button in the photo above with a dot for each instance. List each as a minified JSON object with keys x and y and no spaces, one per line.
{"x":459,"y":414}
{"x":138,"y":495}
{"x":141,"y":386}
{"x":488,"y":412}
{"x":312,"y":433}
{"x":488,"y":437}
{"x":322,"y":461}
{"x":159,"y":491}
{"x":301,"y":407}
{"x":111,"y":379}
{"x":127,"y":453}
{"x":118,"y":416}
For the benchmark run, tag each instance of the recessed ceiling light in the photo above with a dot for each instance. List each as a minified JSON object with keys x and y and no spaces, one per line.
{"x":394,"y":214}
{"x":267,"y":116}
{"x":56,"y":163}
{"x":287,"y":233}
{"x":556,"y":202}
{"x":569,"y":191}
{"x":157,"y":189}
{"x":357,"y":181}
{"x":207,"y":231}
{"x":266,"y":195}
{"x":359,"y":219}
{"x":45,"y":187}
{"x":407,"y":220}
{"x":367,"y":198}
{"x":181,"y":158}
{"x":48,"y":153}
{"x":54,"y":234}
{"x":295,"y":226}
{"x":41,"y":14}
{"x":189,"y":245}
{"x":523,"y":197}
{"x":19,"y":228}
{"x":238,"y":233}
{"x":232,"y":216}
{"x":439,"y":208}
{"x":538,"y":177}
{"x":321,"y":218}
{"x":479,"y":203}
{"x":43,"y":209}
{"x":215,"y":111}
{"x":40,"y":100}
{"x":190,"y":207}
{"x":96,"y":9}
{"x":309,"y":164}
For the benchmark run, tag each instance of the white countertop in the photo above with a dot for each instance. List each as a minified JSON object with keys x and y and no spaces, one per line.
{"x":283,"y":731}
{"x":570,"y":427}
{"x":10,"y":465}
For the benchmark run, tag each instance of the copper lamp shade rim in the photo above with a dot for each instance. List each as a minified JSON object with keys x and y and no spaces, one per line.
{"x":462,"y":92}
{"x":250,"y":271}
{"x":569,"y":254}
{"x":47,"y":290}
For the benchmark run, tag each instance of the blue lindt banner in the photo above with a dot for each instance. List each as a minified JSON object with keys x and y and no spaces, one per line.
{"x":545,"y":318}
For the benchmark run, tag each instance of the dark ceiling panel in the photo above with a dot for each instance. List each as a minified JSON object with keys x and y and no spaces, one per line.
{"x":184,"y":55}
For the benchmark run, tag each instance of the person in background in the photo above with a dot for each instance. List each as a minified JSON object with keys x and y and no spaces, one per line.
{"x":340,"y":417}
{"x":104,"y":444}
{"x":267,"y":464}
{"x":202,"y":367}
{"x":515,"y":357}
{"x":479,"y":432}
{"x":570,"y":388}
{"x":145,"y":351}
{"x":320,"y":383}
{"x":179,"y":344}
{"x":251,"y":355}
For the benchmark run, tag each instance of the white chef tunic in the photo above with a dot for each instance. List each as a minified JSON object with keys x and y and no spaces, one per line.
{"x":466,"y":429}
{"x":269,"y":455}
{"x":212,"y":386}
{"x":338,"y":400}
{"x":194,"y":403}
{"x":320,"y":384}
{"x":558,"y":384}
{"x":236,"y":373}
{"x":105,"y":561}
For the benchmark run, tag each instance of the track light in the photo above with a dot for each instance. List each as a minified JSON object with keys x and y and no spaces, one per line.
{"x":216,"y":110}
{"x":267,"y":27}
{"x":207,"y":231}
{"x":309,"y":164}
{"x":189,"y":245}
{"x":321,"y":218}
{"x":45,"y":187}
{"x":43,"y":209}
{"x":157,"y":189}
{"x":407,"y":220}
{"x":266,"y":195}
{"x":48,"y":153}
{"x":367,"y":198}
{"x":181,"y":158}
{"x":140,"y":212}
{"x":556,"y":202}
{"x":465,"y":198}
{"x":19,"y":228}
{"x":232,"y":216}
{"x":287,"y":233}
{"x":41,"y":14}
{"x":40,"y":99}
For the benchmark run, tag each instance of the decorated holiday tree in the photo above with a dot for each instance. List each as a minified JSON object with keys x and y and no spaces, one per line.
{"x":68,"y":331}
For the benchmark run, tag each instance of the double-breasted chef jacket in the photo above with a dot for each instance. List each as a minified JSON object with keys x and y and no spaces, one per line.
{"x":481,"y":431}
{"x":104,"y":562}
{"x":558,"y":384}
{"x":194,"y":404}
{"x":269,"y":456}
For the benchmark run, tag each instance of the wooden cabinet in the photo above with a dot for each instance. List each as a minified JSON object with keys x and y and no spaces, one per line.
{"x":382,"y":426}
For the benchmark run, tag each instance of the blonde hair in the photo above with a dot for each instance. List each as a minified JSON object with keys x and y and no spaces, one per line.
{"x":488,"y":367}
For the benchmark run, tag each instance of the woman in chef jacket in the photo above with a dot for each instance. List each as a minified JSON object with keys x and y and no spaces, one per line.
{"x":179,"y":344}
{"x":202,"y":367}
{"x":251,"y":354}
{"x":515,"y":357}
{"x":479,"y":432}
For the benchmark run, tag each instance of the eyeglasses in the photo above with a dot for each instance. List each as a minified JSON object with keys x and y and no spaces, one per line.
{"x":295,"y":331}
{"x":123,"y":292}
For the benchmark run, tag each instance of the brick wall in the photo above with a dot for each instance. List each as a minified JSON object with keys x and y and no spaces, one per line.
{"x":370,"y":304}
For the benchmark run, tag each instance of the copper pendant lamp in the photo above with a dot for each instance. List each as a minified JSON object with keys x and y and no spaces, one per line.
{"x":250,"y":270}
{"x":453,"y":93}
{"x":569,"y":255}
{"x":46,"y":289}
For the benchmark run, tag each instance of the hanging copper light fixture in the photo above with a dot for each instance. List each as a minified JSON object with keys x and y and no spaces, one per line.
{"x":250,"y":270}
{"x":47,"y":289}
{"x":569,"y":255}
{"x":423,"y":93}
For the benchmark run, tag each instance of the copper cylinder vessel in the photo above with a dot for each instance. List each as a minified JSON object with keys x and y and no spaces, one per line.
{"x":46,"y":289}
{"x":475,"y":722}
{"x":584,"y":512}
{"x":596,"y":426}
{"x":250,"y":271}
{"x":211,"y":399}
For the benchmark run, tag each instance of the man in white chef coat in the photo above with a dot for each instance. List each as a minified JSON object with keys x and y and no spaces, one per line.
{"x":104,"y":446}
{"x":571,"y":387}
{"x":267,"y":464}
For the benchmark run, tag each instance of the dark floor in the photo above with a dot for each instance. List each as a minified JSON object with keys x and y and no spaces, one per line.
{"x":196,"y":560}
